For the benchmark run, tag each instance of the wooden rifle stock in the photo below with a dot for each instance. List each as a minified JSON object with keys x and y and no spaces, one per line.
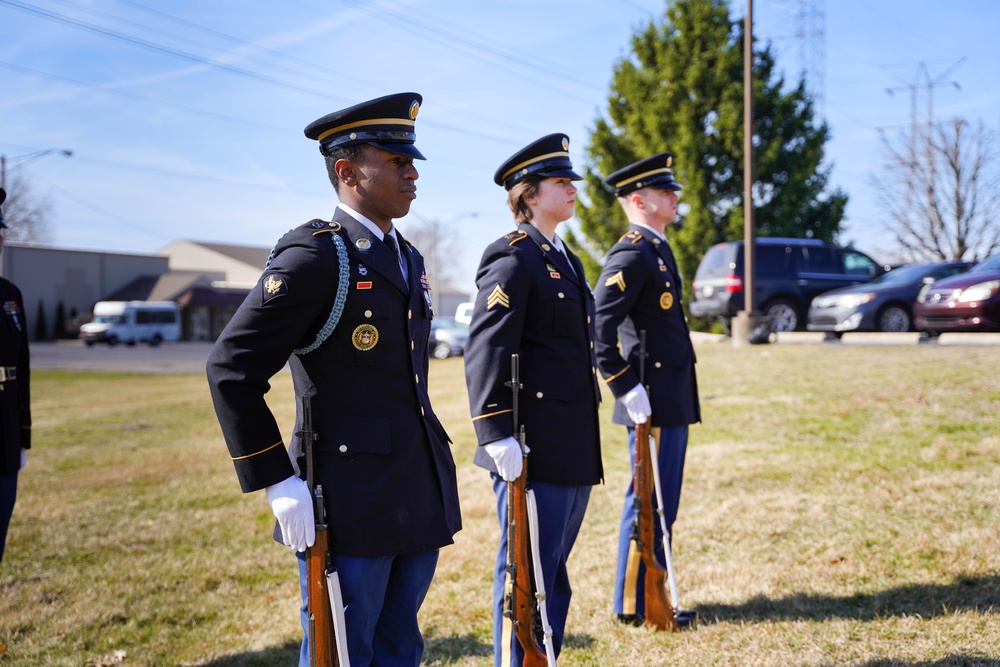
{"x":322,"y":643}
{"x":519,"y":598}
{"x":659,"y":611}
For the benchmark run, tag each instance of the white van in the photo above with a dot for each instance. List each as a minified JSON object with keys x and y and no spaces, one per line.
{"x":132,"y":322}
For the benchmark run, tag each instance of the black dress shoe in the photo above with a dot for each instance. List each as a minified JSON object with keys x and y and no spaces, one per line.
{"x":630,"y":619}
{"x":686,"y":618}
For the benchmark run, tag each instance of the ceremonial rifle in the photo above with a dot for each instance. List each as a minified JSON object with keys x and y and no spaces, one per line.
{"x":659,"y":612}
{"x":520,"y":595}
{"x":327,"y":641}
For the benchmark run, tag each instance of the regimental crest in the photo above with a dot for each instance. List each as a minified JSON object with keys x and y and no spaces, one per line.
{"x":364,"y":337}
{"x":272,"y":286}
{"x":666,"y":300}
{"x":617,"y":280}
{"x":497,"y":298}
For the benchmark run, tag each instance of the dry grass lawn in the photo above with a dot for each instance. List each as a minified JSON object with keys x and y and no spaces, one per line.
{"x":841,"y":507}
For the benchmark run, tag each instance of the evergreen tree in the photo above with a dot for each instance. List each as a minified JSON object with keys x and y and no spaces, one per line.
{"x":681,"y":90}
{"x":60,"y":320}
{"x":41,"y":326}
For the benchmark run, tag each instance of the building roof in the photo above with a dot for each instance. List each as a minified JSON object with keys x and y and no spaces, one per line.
{"x":164,"y":287}
{"x":252,"y":255}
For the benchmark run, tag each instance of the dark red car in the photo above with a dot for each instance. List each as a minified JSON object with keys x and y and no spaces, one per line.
{"x":967,"y":302}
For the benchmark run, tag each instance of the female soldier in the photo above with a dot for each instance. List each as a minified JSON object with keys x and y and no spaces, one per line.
{"x":534,"y":301}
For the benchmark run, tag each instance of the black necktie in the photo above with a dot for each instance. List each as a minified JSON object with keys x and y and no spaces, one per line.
{"x":390,"y":241}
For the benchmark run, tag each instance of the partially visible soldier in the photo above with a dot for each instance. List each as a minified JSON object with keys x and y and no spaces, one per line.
{"x":381,"y":456}
{"x":640,"y":290}
{"x":15,"y":398}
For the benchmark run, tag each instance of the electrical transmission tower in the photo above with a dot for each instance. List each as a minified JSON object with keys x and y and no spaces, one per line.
{"x":810,"y":35}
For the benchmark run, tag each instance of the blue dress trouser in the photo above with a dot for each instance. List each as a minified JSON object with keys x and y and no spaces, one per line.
{"x":381,"y":599}
{"x":560,"y":515}
{"x":8,"y":494}
{"x":629,"y":590}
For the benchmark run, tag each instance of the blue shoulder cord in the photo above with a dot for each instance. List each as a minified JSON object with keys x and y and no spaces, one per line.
{"x":338,"y":302}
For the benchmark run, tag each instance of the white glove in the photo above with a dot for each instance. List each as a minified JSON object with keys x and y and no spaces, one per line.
{"x":636,"y":404}
{"x":292,"y":505}
{"x":506,"y":455}
{"x":24,"y":458}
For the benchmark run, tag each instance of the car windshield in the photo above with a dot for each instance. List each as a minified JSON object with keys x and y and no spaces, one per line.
{"x":988,"y":264}
{"x":904,"y":274}
{"x":109,"y":319}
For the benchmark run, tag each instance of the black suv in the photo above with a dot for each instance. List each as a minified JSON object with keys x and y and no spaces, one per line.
{"x":790,"y":272}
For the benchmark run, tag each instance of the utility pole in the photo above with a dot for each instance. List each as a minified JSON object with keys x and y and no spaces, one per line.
{"x":30,"y":157}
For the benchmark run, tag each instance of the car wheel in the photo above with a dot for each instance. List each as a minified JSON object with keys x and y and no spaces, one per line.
{"x":112,"y":340}
{"x":155,"y":340}
{"x":88,"y":343}
{"x":893,"y":318}
{"x":441,"y":351}
{"x":782,"y":315}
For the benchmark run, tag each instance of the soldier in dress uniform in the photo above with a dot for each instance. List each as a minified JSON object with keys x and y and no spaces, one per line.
{"x":15,"y":403}
{"x":640,"y":290}
{"x":382,"y":456}
{"x":534,"y":301}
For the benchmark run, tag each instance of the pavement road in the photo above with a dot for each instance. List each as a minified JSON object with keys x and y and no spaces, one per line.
{"x":190,"y":357}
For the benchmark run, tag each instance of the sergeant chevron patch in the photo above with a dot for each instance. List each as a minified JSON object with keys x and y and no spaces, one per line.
{"x":497,"y":298}
{"x":617,"y":279}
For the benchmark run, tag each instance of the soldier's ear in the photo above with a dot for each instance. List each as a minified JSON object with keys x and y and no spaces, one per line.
{"x":346,"y":172}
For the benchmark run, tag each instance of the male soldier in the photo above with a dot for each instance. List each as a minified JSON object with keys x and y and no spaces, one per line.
{"x":640,"y":290}
{"x":382,"y":457}
{"x":15,"y":404}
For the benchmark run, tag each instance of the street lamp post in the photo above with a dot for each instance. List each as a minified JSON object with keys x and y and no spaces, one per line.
{"x":25,"y":159}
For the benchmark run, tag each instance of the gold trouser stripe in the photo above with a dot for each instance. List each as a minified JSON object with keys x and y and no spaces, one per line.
{"x":506,"y":627}
{"x":240,"y":458}
{"x":631,"y":580}
{"x":491,"y":414}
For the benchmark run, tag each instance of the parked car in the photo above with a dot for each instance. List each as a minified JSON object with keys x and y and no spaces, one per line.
{"x":967,"y":302}
{"x":883,"y":304}
{"x":447,"y":338}
{"x":790,"y":272}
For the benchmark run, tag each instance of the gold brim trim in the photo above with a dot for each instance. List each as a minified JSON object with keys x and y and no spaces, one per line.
{"x":662,"y":170}
{"x":366,"y":123}
{"x":537,"y":158}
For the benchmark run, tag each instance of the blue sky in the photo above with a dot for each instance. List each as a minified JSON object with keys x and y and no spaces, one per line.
{"x":185,"y":117}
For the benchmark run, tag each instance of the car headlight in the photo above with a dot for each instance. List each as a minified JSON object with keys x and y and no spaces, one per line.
{"x":979,"y":292}
{"x":855,"y":300}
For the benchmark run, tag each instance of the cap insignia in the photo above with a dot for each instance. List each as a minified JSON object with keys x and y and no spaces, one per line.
{"x":670,"y":160}
{"x":565,"y":144}
{"x":415,"y":109}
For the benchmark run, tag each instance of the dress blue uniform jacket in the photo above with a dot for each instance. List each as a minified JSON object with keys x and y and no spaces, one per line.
{"x":640,"y":289}
{"x":532,"y":303}
{"x":15,"y":404}
{"x":382,"y":456}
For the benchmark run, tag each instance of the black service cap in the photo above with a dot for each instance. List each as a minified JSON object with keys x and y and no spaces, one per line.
{"x":652,"y":172}
{"x":386,"y":123}
{"x":547,"y":157}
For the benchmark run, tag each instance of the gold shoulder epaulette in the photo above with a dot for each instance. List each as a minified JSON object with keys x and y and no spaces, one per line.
{"x":514,"y":237}
{"x":634,"y":236}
